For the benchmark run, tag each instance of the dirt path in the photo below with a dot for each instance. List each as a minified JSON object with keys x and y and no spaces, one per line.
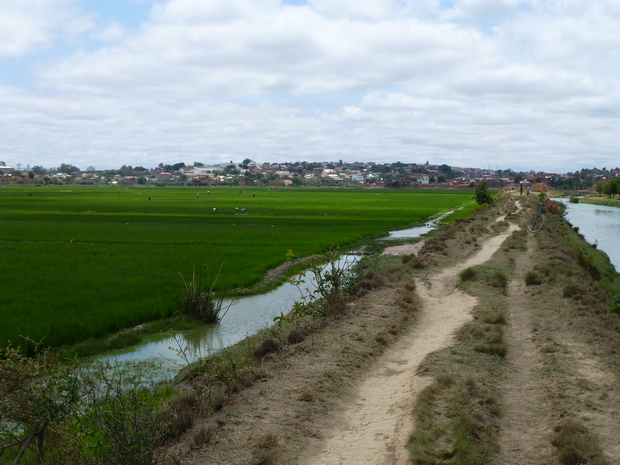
{"x":526,"y":431}
{"x":345,"y":394}
{"x":373,"y":428}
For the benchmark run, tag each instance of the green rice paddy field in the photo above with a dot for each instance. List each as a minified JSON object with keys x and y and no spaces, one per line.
{"x":81,"y":262}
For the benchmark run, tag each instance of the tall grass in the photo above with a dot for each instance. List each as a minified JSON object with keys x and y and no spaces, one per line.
{"x":201,"y":301}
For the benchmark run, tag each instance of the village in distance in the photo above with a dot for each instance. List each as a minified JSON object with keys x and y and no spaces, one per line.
{"x":310,"y":174}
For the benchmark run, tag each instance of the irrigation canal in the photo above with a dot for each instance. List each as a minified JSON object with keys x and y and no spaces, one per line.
{"x":161,"y":356}
{"x":599,"y":225}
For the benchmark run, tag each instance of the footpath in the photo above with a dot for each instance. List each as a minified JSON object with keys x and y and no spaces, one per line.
{"x":347,"y":393}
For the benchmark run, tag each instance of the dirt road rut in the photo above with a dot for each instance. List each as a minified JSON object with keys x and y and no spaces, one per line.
{"x":373,"y":428}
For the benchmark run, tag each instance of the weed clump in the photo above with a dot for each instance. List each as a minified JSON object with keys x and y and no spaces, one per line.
{"x":268,"y":346}
{"x":414,"y":261}
{"x":576,"y":445}
{"x":200,"y":300}
{"x":587,"y":263}
{"x":532,"y":278}
{"x":455,"y":419}
{"x":574,"y":291}
{"x":266,"y":450}
{"x":203,"y":435}
{"x":498,"y":280}
{"x":468,"y":275}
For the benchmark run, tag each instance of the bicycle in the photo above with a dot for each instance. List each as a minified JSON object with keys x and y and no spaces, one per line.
{"x":538,"y":220}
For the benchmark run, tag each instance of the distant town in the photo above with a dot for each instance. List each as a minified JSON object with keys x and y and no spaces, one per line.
{"x":249,"y":172}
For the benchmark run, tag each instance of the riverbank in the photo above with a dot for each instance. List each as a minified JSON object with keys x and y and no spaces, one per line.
{"x":596,"y":200}
{"x":541,"y":323}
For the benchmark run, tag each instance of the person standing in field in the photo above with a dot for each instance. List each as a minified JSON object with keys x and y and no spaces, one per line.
{"x":521,"y":189}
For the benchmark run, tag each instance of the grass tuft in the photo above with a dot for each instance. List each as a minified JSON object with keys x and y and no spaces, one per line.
{"x":468,"y":275}
{"x":532,"y":278}
{"x":576,"y":445}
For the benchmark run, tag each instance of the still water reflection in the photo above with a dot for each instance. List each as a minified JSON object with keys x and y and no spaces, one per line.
{"x":418,"y":231}
{"x":600,"y":225}
{"x":164,"y":354}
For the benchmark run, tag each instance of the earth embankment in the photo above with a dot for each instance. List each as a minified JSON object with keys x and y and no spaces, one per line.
{"x":349,"y":393}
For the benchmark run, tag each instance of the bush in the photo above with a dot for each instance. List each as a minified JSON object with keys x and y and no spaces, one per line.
{"x":483,"y":196}
{"x":38,"y":397}
{"x":121,"y":417}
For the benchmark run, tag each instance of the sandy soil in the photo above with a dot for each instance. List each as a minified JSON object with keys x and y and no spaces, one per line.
{"x":375,"y":424}
{"x":405,"y":249}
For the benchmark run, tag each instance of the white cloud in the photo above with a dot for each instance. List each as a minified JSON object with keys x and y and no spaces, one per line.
{"x":111,"y":32}
{"x":28,"y":26}
{"x":522,"y":84}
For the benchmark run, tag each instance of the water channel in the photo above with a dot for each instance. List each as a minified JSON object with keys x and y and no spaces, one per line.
{"x":162,"y":355}
{"x":599,"y":225}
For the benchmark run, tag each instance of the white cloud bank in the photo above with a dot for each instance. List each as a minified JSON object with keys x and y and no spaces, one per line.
{"x":514,"y":84}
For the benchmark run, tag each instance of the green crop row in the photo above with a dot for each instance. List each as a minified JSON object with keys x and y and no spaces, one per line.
{"x":82,"y":262}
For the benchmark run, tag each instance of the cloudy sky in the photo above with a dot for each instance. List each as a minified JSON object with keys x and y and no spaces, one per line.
{"x":527,"y":85}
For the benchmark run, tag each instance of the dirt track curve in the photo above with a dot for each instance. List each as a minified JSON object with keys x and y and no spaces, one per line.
{"x":373,"y":428}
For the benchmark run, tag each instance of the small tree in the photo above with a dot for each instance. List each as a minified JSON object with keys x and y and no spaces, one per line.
{"x":121,"y":416}
{"x":613,"y":188}
{"x":483,"y":196}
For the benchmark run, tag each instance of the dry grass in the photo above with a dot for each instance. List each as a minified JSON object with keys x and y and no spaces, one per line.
{"x":577,"y":445}
{"x":457,"y":417}
{"x":460,"y":412}
{"x":319,"y":359}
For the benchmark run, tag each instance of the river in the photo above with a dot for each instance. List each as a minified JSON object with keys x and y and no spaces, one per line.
{"x":599,"y":225}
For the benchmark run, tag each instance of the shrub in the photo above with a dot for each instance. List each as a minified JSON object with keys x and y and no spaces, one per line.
{"x":333,"y":281}
{"x":38,"y":396}
{"x":483,"y":196}
{"x":121,"y":416}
